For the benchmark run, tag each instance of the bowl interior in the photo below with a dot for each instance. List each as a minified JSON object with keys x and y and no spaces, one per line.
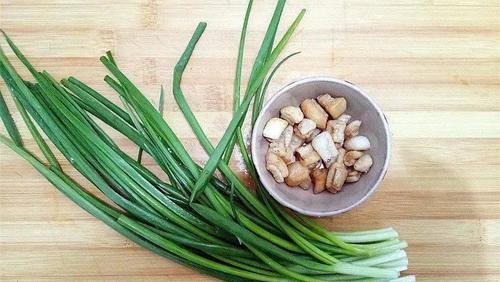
{"x":359,"y":106}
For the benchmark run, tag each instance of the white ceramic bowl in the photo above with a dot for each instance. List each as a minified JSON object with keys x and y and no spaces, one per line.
{"x":359,"y":106}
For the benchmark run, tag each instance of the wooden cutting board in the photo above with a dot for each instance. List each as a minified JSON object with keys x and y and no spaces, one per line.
{"x":433,"y":65}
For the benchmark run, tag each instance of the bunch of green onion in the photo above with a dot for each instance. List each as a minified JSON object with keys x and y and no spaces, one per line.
{"x":214,"y":225}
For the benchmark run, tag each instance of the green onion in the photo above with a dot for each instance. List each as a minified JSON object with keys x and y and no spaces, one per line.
{"x":8,"y":121}
{"x":214,"y":159}
{"x":214,"y":225}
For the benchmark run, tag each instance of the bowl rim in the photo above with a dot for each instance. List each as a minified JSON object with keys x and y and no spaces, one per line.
{"x":377,"y":108}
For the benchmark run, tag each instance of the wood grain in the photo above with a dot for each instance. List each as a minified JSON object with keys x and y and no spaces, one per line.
{"x":433,"y":65}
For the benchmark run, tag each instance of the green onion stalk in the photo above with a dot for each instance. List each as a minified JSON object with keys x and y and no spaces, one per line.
{"x":214,"y":224}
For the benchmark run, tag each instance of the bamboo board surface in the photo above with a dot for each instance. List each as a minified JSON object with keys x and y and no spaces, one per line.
{"x":433,"y":66}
